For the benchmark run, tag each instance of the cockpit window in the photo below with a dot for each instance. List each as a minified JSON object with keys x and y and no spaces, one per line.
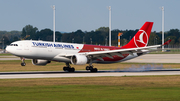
{"x":13,"y":44}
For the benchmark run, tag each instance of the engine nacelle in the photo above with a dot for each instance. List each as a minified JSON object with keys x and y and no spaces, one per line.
{"x":79,"y":59}
{"x":40,"y":62}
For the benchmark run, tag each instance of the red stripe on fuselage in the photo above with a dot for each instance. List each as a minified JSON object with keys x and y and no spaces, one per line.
{"x":93,"y":48}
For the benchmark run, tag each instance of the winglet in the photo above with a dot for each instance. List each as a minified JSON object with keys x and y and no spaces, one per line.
{"x":167,"y":42}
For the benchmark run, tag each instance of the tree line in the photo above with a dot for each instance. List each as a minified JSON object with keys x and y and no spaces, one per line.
{"x":99,"y":36}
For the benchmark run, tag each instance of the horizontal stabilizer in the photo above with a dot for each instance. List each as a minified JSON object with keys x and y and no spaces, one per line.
{"x":167,"y":42}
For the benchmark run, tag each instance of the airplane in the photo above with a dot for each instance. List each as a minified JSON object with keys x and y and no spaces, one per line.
{"x":43,"y":52}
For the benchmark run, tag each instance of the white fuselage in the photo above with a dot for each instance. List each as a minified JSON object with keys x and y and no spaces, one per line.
{"x":43,"y":49}
{"x":52,"y":51}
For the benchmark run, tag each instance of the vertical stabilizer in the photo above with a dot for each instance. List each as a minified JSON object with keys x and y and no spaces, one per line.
{"x":141,"y":38}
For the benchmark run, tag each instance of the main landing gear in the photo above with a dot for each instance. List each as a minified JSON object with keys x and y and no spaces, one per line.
{"x":23,"y":61}
{"x":72,"y":69}
{"x":91,"y":68}
{"x":68,"y":68}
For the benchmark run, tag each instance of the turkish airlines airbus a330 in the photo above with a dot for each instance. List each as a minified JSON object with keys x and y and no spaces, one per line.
{"x":43,"y":52}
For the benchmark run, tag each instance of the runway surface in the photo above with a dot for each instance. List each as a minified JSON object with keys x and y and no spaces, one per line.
{"x":9,"y":58}
{"x":60,"y":74}
{"x":148,"y":58}
{"x":156,"y":58}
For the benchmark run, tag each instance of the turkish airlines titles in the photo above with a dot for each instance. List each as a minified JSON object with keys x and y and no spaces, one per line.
{"x":39,"y":44}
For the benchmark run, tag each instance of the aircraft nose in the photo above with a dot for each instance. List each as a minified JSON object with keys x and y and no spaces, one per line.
{"x":8,"y":49}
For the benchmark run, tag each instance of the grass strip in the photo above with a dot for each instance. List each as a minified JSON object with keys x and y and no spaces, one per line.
{"x":150,"y":88}
{"x":6,"y":54}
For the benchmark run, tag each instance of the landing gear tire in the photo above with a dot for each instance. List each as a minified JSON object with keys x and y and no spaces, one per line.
{"x":23,"y":61}
{"x":87,"y":68}
{"x":69,"y":69}
{"x":94,"y":70}
{"x":23,"y":64}
{"x":65,"y":68}
{"x":91,"y":68}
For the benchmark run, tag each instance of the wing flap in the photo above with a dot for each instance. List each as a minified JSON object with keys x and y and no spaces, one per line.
{"x":100,"y":58}
{"x":108,"y":55}
{"x":118,"y":54}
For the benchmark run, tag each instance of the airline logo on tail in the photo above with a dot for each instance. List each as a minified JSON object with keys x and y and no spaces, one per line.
{"x":141,"y":39}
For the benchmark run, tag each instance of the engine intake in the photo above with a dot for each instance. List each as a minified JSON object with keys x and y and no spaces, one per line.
{"x":40,"y":62}
{"x":79,"y":60}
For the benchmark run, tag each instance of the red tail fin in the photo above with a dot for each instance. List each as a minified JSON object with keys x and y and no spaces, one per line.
{"x":142,"y":36}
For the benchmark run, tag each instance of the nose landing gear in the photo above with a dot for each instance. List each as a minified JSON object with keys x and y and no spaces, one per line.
{"x":23,"y":61}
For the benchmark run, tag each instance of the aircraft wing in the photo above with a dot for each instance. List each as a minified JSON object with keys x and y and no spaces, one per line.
{"x":119,"y":52}
{"x":123,"y":51}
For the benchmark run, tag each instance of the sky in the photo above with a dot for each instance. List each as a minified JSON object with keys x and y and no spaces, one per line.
{"x":88,"y":15}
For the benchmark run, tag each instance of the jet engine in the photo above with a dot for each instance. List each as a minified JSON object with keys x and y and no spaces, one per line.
{"x":79,"y":60}
{"x":40,"y":62}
